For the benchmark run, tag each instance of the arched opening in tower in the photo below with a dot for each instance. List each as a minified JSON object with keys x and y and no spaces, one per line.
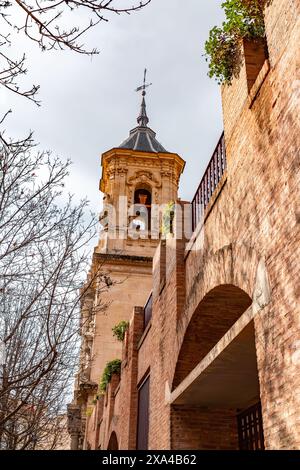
{"x":215,"y":401}
{"x":142,"y":210}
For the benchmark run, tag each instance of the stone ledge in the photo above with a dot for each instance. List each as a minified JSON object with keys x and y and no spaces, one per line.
{"x":125,"y":258}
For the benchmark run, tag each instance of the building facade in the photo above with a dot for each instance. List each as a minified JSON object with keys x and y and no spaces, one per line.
{"x":211,"y":360}
{"x":138,"y":179}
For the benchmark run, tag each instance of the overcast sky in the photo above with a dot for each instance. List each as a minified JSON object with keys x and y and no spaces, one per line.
{"x":89,"y":105}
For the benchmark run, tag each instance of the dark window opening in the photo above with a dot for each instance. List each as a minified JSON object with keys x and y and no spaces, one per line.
{"x":143,"y":415}
{"x":142,"y":209}
{"x":113,"y":442}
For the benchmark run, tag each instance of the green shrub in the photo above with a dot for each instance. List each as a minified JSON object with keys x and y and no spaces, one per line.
{"x":96,"y":398}
{"x":244,"y":19}
{"x":112,"y":367}
{"x":168,"y":218}
{"x":120,"y":329}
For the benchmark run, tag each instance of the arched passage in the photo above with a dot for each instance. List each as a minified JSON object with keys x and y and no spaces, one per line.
{"x":215,"y":403}
{"x":113,"y":442}
{"x":213,"y":317}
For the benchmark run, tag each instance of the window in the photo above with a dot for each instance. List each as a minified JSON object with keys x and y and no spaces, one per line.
{"x":143,"y":415}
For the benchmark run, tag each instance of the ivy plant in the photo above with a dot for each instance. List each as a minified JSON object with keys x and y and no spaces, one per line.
{"x":120,"y":329}
{"x":112,"y":367}
{"x":167,"y":219}
{"x":244,"y":19}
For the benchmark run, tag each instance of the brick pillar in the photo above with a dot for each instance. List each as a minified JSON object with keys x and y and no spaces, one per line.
{"x":174,"y":260}
{"x":135,"y":333}
{"x":168,"y":302}
{"x":159,"y":269}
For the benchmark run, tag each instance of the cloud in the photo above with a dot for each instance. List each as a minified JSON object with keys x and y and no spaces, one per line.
{"x":89,"y":105}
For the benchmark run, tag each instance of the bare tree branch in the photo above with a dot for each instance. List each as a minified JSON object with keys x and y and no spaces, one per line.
{"x":52,"y":25}
{"x":44,"y":259}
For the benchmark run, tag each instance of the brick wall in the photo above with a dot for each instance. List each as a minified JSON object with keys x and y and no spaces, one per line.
{"x":203,"y":429}
{"x":254,"y":221}
{"x":120,"y":401}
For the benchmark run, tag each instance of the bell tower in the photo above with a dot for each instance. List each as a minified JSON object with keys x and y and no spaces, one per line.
{"x":138,"y":177}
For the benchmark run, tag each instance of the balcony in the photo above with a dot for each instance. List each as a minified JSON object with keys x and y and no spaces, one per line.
{"x":209,"y":182}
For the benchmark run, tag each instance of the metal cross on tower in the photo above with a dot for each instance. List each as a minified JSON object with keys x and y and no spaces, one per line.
{"x":145,"y":85}
{"x":143,"y":118}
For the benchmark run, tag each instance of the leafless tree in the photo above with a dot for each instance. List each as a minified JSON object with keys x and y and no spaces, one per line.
{"x":43,"y":262}
{"x":43,"y":238}
{"x":51,"y":24}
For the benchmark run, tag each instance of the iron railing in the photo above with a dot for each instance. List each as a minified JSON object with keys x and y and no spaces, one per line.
{"x":209,"y":182}
{"x":148,"y":311}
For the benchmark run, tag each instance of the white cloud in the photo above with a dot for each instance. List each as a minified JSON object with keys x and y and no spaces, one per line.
{"x":89,"y":106}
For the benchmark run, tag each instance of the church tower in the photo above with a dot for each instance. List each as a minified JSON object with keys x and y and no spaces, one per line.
{"x":138,"y":178}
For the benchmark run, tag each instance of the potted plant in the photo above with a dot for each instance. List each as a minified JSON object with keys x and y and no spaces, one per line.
{"x":168,"y":219}
{"x":112,"y":367}
{"x":242,"y":31}
{"x":120,"y":329}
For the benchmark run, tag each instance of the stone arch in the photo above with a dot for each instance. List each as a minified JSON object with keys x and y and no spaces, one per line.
{"x":216,"y":313}
{"x":142,"y":200}
{"x":142,"y":191}
{"x":143,"y":180}
{"x":113,"y":442}
{"x":234,"y":264}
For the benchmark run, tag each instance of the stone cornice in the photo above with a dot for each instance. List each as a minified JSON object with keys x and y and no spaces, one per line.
{"x":118,"y":160}
{"x":112,"y":258}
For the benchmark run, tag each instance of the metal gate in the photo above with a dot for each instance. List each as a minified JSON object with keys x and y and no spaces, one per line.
{"x":250,"y":428}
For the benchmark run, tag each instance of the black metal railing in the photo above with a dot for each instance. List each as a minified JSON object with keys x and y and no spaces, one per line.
{"x":209,"y":182}
{"x":148,"y":311}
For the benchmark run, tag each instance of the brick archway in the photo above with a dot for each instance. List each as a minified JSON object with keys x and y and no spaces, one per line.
{"x":235,"y":265}
{"x":215,"y":399}
{"x":220,"y":308}
{"x":113,"y":442}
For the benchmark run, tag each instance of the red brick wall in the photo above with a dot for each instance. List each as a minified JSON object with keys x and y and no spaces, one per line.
{"x":255,"y":218}
{"x":203,"y":429}
{"x":120,"y":412}
{"x":263,"y":147}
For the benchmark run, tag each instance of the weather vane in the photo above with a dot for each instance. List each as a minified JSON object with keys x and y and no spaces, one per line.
{"x":145,"y":85}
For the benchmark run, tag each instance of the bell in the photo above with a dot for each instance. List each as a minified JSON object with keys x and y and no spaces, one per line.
{"x":143,"y":198}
